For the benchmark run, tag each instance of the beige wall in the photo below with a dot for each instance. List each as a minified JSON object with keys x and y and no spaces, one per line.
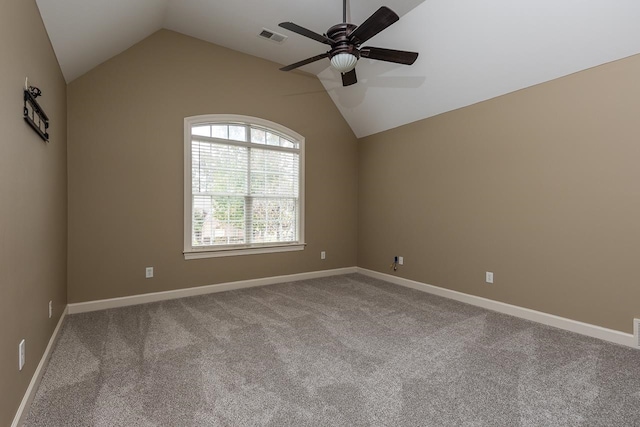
{"x":541,"y":187}
{"x":33,"y":201}
{"x":126,"y":166}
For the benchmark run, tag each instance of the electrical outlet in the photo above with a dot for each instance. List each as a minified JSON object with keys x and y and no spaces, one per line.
{"x":50,"y":309}
{"x":400,"y":260}
{"x":489,"y":277}
{"x":21,"y":355}
{"x":323,"y":255}
{"x":148,"y":272}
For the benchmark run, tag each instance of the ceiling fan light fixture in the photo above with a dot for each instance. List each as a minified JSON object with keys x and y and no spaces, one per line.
{"x":344,"y":62}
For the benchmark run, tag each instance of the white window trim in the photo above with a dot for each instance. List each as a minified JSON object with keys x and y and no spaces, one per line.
{"x":209,"y":252}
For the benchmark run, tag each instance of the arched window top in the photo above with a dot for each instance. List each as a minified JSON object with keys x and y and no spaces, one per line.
{"x":243,"y":129}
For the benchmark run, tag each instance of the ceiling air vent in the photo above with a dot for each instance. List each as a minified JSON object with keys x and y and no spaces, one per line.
{"x":272,"y":35}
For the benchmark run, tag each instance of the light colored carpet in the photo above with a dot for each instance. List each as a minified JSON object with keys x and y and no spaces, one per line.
{"x":346,"y":350}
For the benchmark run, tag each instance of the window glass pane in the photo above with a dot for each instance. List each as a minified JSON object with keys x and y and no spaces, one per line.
{"x":238,"y":133}
{"x":258,"y":136}
{"x":220,"y":131}
{"x":273,"y":139}
{"x":274,"y":173}
{"x":219,"y":168}
{"x":201,"y":130}
{"x":287,"y":143}
{"x":218,"y":220}
{"x":274,"y":220}
{"x":201,"y":213}
{"x":195,"y":166}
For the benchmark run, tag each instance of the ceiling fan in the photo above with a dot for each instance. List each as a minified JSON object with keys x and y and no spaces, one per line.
{"x":345,"y":40}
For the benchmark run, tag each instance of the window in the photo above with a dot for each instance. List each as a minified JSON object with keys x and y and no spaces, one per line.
{"x":244,"y":187}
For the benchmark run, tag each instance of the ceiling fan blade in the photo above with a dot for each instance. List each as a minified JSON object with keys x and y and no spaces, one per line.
{"x":349,"y":78}
{"x":377,"y":22}
{"x":305,"y":62}
{"x":307,"y":33}
{"x":389,"y":55}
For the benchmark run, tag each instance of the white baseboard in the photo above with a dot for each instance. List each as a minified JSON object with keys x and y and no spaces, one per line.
{"x":513,"y":310}
{"x":23,"y":409}
{"x":83,"y":307}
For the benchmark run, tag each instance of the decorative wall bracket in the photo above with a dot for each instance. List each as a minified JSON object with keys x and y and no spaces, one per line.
{"x":33,"y":113}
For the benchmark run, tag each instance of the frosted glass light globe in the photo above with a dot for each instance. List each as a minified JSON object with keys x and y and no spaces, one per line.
{"x":344,"y":62}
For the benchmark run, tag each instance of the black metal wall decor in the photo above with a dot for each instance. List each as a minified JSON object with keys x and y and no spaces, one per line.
{"x":33,"y":113}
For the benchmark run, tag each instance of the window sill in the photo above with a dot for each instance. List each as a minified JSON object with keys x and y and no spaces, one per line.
{"x":217,"y":253}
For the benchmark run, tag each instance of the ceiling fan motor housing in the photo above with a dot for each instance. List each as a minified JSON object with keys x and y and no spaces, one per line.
{"x":340,"y":34}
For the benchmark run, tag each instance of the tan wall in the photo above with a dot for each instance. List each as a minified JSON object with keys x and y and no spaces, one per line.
{"x":126,"y":166}
{"x":541,"y":186}
{"x":33,"y":201}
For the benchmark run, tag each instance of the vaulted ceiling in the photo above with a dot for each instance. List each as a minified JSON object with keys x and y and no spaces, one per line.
{"x":470,"y":50}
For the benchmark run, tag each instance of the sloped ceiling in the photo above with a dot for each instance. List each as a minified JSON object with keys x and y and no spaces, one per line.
{"x":470,"y":50}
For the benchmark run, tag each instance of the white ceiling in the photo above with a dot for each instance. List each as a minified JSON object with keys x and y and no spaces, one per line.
{"x":470,"y":50}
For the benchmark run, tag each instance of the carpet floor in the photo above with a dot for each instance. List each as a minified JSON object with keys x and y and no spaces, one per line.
{"x":339,"y":351}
